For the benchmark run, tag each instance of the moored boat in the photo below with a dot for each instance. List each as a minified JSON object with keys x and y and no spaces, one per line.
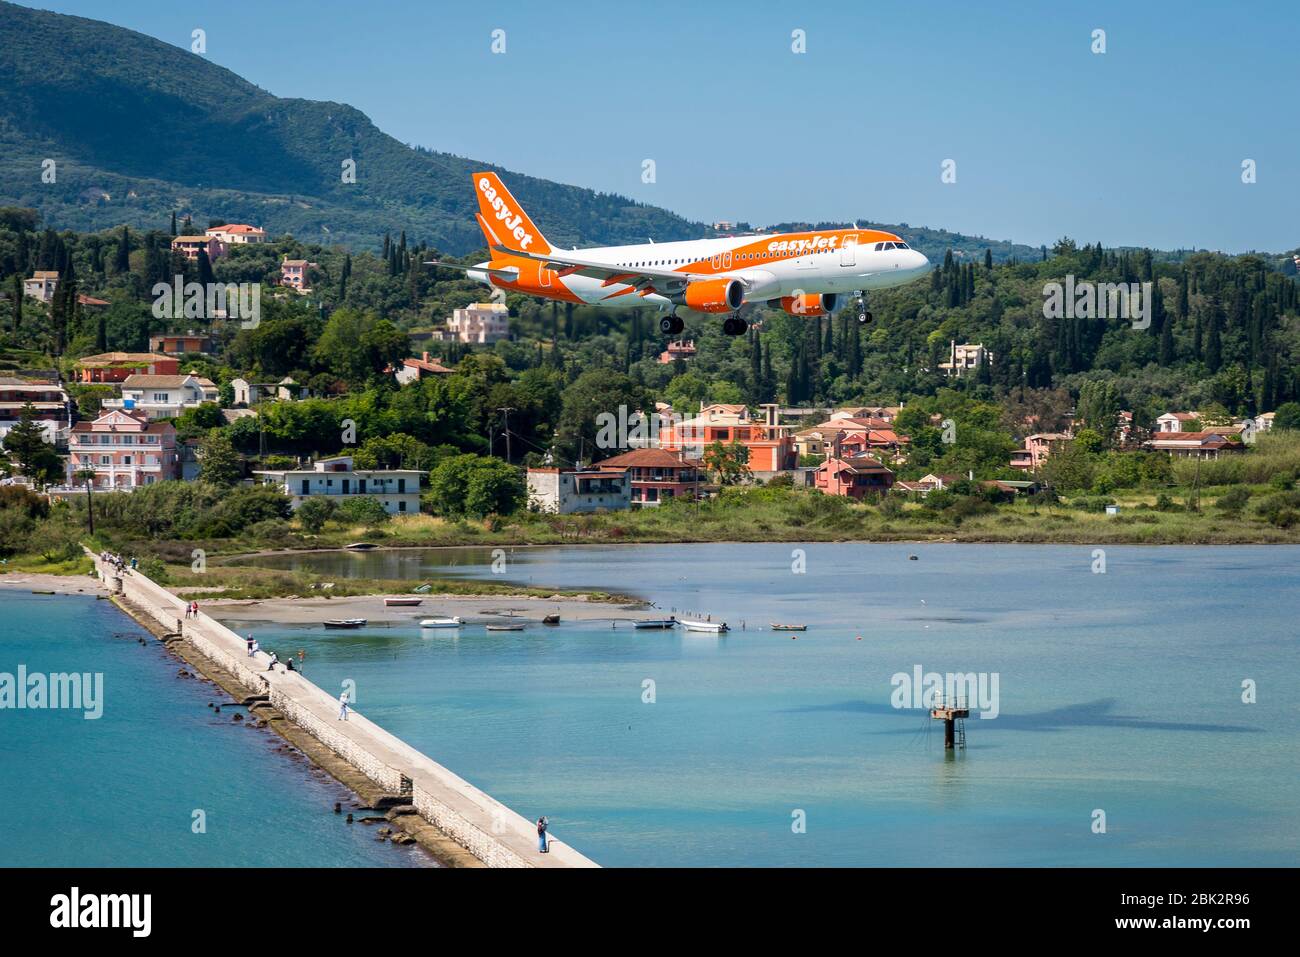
{"x":402,"y":601}
{"x":452,"y":622}
{"x":505,"y":627}
{"x":361,"y":546}
{"x":780,"y":627}
{"x":660,"y":624}
{"x":714,"y":627}
{"x":551,"y":619}
{"x":344,"y":622}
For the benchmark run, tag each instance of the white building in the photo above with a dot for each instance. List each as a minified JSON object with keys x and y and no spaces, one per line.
{"x":335,"y":478}
{"x":41,"y":285}
{"x":480,"y":322}
{"x":164,"y":396}
{"x":565,"y":491}
{"x":965,"y":358}
{"x":1175,"y":422}
{"x":51,"y":403}
{"x":249,"y":393}
{"x":237,"y":234}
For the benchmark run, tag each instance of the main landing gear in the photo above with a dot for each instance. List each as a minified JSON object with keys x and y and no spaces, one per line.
{"x":864,"y":317}
{"x":735,"y":326}
{"x":671,"y":325}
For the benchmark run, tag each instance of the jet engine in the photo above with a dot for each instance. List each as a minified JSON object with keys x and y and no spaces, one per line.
{"x":714,"y":295}
{"x":809,"y":304}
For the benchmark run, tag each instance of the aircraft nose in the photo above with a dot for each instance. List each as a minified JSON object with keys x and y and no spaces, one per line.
{"x":919,"y":262}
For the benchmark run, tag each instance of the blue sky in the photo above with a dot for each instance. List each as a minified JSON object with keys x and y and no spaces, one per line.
{"x":1141,"y":145}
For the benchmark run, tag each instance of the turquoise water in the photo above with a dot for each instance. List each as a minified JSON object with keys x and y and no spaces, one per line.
{"x":121,"y":790}
{"x":1118,"y":692}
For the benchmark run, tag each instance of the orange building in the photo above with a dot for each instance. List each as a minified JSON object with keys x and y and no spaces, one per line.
{"x":770,"y":446}
{"x":117,"y":366}
{"x":855,"y":477}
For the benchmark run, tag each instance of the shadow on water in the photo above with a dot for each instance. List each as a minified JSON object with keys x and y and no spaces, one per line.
{"x":1095,"y":714}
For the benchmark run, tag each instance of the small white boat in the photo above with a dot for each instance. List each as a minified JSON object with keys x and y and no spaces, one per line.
{"x":402,"y":601}
{"x":656,"y":624}
{"x":714,"y":627}
{"x":505,"y":627}
{"x":453,"y":622}
{"x":344,"y":622}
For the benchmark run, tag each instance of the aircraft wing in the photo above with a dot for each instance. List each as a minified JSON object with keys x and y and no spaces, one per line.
{"x":509,"y":273}
{"x":567,"y":264}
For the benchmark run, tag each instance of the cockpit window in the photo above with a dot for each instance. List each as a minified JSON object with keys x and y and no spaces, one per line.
{"x":902,"y":245}
{"x":879,"y":246}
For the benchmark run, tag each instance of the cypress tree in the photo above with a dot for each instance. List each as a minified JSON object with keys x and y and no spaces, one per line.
{"x":16,"y":295}
{"x":122,"y":262}
{"x":988,"y":260}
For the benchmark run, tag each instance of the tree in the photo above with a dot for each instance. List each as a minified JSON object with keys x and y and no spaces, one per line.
{"x":220,"y":464}
{"x":597,"y":392}
{"x":1287,"y":416}
{"x":729,"y":464}
{"x":1099,"y":408}
{"x":26,"y":444}
{"x":314,"y":513}
{"x":364,"y":510}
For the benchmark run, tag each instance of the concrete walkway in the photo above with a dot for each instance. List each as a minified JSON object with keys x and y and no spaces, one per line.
{"x":491,"y":831}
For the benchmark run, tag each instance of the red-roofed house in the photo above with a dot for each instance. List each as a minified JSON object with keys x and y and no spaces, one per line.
{"x":656,"y":474}
{"x":117,"y":366}
{"x":854,"y":476}
{"x":414,"y":369}
{"x":124,"y":450}
{"x":1200,"y":445}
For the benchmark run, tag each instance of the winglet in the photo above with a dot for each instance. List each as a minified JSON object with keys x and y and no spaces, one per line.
{"x":503,"y":220}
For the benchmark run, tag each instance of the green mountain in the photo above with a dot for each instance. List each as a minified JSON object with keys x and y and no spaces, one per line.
{"x":138,"y":129}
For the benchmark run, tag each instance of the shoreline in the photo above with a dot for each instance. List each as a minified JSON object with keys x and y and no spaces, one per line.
{"x":40,"y":583}
{"x":489,"y":608}
{"x":424,"y":802}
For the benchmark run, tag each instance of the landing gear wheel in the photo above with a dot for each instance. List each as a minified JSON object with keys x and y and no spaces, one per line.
{"x":865,"y":317}
{"x":666,"y":324}
{"x":734,"y":326}
{"x":678,"y":324}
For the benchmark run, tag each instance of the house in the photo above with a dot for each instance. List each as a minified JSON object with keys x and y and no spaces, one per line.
{"x":480,"y":322}
{"x":855,"y":476}
{"x":123,"y":448}
{"x":42,"y":285}
{"x":770,"y":446}
{"x":164,"y":396}
{"x":415,"y":369}
{"x":249,"y":393}
{"x":678,"y":349}
{"x":51,"y":402}
{"x":884,"y":413}
{"x":337,"y":480}
{"x":117,"y":366}
{"x":191,"y":246}
{"x":854,"y":435}
{"x":91,"y":302}
{"x":656,"y":475}
{"x":1264,"y":422}
{"x":1199,"y":445}
{"x":179,"y":344}
{"x":563,"y":491}
{"x":237,"y":234}
{"x":1176,"y":421}
{"x":1036,"y":450}
{"x":293,"y":273}
{"x":965,"y":358}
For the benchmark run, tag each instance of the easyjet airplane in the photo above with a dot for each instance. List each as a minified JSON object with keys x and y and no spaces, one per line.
{"x":805,"y":273}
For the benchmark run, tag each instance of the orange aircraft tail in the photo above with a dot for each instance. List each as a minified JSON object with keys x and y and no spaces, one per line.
{"x":503,"y":220}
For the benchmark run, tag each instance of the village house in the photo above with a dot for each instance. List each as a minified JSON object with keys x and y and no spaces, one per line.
{"x":51,"y":402}
{"x":1036,"y":450}
{"x":413,"y":370}
{"x":1176,"y":421}
{"x":770,"y":446}
{"x":965,"y":358}
{"x":564,"y":491}
{"x":398,"y":490}
{"x":854,"y":435}
{"x":191,"y":246}
{"x":656,"y":475}
{"x":124,"y":450}
{"x":164,"y":396}
{"x":113,"y":367}
{"x":855,"y":476}
{"x":1199,"y":445}
{"x":293,"y":273}
{"x":677,"y":349}
{"x":249,"y":393}
{"x":42,"y":285}
{"x":237,"y":234}
{"x":180,"y":343}
{"x":479,"y":322}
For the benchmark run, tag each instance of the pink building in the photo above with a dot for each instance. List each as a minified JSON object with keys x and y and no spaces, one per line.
{"x":1031,"y":456}
{"x":189,"y":246}
{"x":293,"y":273}
{"x":124,"y":449}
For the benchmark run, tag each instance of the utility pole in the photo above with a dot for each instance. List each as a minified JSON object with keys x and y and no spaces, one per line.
{"x":505,"y":427}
